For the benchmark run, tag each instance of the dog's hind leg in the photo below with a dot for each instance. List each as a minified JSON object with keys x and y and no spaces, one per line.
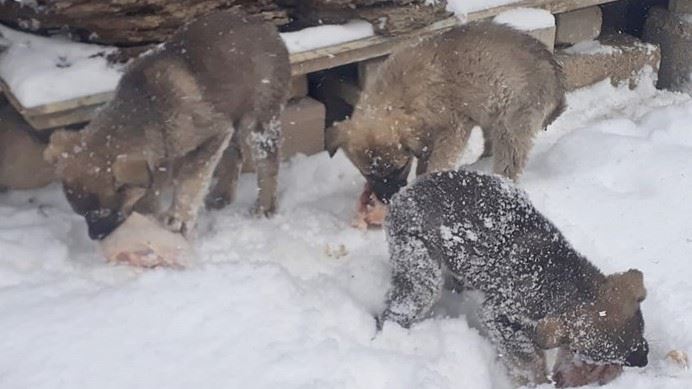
{"x":417,"y":280}
{"x":510,"y":154}
{"x":191,"y":183}
{"x":448,"y":147}
{"x":512,"y":141}
{"x":487,"y":143}
{"x":227,"y":173}
{"x":265,"y":142}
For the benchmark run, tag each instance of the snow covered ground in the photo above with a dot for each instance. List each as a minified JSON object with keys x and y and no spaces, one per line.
{"x":289,"y":302}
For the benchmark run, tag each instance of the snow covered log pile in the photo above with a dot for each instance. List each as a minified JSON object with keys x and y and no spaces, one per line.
{"x":122,"y":22}
{"x":139,"y":22}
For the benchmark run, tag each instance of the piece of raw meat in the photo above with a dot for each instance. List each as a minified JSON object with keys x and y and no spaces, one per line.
{"x":569,"y":371}
{"x":370,"y":211}
{"x":143,"y":242}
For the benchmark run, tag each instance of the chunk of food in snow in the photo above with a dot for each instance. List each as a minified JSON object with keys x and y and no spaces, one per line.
{"x":141,"y":241}
{"x":570,"y":371}
{"x":679,"y":358}
{"x":371,"y":211}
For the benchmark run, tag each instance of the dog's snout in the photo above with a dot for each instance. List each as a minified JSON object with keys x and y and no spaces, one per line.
{"x":638,"y":357}
{"x":101,"y":226}
{"x":385,"y":188}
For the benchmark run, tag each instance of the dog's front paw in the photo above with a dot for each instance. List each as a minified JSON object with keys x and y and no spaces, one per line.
{"x":379,"y":323}
{"x":216,"y":202}
{"x":263,"y":211}
{"x":174,"y":222}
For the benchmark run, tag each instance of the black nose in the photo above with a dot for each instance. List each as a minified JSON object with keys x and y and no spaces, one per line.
{"x":385,"y":189}
{"x":638,"y":357}
{"x":100,"y":226}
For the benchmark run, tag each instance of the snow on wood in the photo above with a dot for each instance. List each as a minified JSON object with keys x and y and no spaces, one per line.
{"x":591,"y":48}
{"x":41,"y":70}
{"x":526,"y":19}
{"x":327,"y":35}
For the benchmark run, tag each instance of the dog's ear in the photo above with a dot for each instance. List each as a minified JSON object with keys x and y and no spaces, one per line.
{"x":131,"y":170}
{"x":61,"y":143}
{"x":633,"y":281}
{"x":410,"y":137}
{"x":624,"y":291}
{"x":551,"y":332}
{"x":132,"y":196}
{"x":413,"y":144}
{"x":334,"y":137}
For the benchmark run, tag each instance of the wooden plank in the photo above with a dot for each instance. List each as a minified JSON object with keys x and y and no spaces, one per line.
{"x":57,"y":107}
{"x":65,"y":105}
{"x":68,"y":117}
{"x":554,"y":6}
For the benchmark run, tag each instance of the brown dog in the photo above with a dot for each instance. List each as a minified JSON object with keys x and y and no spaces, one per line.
{"x":220,"y":80}
{"x":426,"y":98}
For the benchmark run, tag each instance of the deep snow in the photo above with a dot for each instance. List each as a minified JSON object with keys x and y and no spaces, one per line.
{"x":275,"y":303}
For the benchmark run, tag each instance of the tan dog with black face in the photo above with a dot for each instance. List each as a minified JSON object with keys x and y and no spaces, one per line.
{"x":425,"y":99}
{"x":220,"y":80}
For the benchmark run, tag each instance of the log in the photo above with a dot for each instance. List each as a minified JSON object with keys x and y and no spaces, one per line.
{"x":305,"y":13}
{"x":393,"y":19}
{"x":123,"y":22}
{"x":142,"y":22}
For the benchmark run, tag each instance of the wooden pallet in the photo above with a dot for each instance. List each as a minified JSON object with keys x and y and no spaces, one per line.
{"x":82,"y":109}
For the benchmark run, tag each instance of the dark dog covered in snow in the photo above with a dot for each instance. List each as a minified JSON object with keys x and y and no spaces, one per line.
{"x":539,"y":292}
{"x":218,"y":81}
{"x":426,"y":98}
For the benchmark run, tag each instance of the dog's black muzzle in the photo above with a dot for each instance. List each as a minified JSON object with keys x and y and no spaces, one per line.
{"x":386,"y":186}
{"x":102,"y":222}
{"x":638,"y":357}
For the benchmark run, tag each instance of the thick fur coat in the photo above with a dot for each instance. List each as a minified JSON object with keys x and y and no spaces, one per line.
{"x":220,"y":80}
{"x":426,"y":98}
{"x":539,"y":292}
